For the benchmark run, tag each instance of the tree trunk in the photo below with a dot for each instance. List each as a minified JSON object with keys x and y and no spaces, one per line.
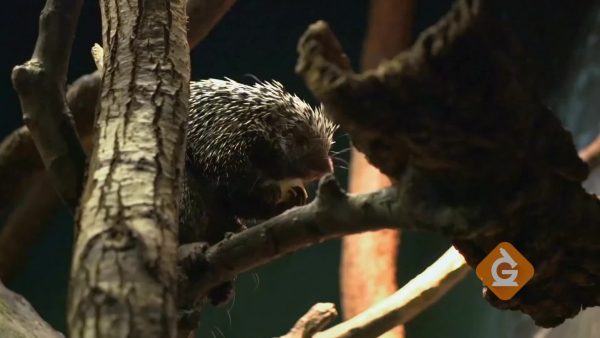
{"x":123,"y":278}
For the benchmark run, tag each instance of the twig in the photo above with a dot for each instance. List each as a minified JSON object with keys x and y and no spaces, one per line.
{"x":40,"y":84}
{"x":319,"y":316}
{"x":406,"y":303}
{"x":19,"y":319}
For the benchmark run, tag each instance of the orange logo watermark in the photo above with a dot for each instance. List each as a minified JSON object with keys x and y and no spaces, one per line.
{"x":505,"y":271}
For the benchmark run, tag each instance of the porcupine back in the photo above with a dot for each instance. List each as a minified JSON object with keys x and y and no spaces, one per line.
{"x":240,"y":136}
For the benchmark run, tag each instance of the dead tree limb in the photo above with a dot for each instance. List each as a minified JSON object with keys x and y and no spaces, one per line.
{"x":331,"y":215}
{"x":40,"y":83}
{"x":123,"y":278}
{"x":19,"y":319}
{"x":414,"y":297}
{"x":29,"y":191}
{"x":319,"y":316}
{"x":478,"y":158}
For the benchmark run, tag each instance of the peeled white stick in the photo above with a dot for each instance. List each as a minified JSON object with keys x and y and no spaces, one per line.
{"x":406,"y":303}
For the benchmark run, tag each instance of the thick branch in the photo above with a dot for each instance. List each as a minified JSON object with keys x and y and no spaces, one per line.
{"x":331,"y":215}
{"x":406,"y":303}
{"x":40,"y":84}
{"x":18,"y":319}
{"x":203,"y":16}
{"x":479,"y":159}
{"x":123,"y":277}
{"x":27,"y":185}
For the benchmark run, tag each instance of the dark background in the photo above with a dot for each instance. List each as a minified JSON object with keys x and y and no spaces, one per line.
{"x":257,"y":37}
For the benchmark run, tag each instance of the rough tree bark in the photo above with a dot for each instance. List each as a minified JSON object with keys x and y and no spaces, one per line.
{"x":25,"y":188}
{"x":482,"y":160}
{"x":19,"y":320}
{"x":123,"y":278}
{"x":368,"y":265}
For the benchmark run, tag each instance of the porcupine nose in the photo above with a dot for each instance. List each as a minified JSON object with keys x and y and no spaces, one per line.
{"x":325,"y":167}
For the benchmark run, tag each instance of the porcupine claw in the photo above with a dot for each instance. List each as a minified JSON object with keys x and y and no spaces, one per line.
{"x":293,"y":192}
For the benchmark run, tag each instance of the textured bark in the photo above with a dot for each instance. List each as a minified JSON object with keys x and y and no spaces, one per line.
{"x":19,"y":320}
{"x":40,"y":83}
{"x":123,"y":278}
{"x":369,"y":260}
{"x":480,"y":159}
{"x":27,"y":188}
{"x":22,"y":171}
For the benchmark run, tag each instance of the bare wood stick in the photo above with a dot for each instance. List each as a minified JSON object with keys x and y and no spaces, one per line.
{"x":40,"y":83}
{"x":417,"y":295}
{"x":19,"y":319}
{"x":319,"y":316}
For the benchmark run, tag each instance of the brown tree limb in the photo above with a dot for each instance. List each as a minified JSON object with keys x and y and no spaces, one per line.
{"x":319,"y":316}
{"x":123,"y":277}
{"x":368,"y":266}
{"x":18,"y":318}
{"x":412,"y":299}
{"x":331,"y":215}
{"x":479,"y":159}
{"x":27,"y":186}
{"x":203,"y":16}
{"x":40,"y":84}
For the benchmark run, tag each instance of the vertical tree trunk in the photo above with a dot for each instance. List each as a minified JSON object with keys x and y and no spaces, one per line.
{"x":123,"y":277}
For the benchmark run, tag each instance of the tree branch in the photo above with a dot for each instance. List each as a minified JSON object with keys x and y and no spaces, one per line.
{"x":203,"y":16}
{"x":19,"y":319}
{"x":406,"y":303}
{"x":40,"y":84}
{"x":319,"y":316}
{"x":331,"y":215}
{"x":123,"y":277}
{"x":479,"y":159}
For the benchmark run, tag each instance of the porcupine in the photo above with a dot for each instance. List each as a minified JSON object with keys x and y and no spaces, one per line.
{"x":249,"y":150}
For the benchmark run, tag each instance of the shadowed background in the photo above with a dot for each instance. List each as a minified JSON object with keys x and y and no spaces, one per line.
{"x":259,"y":37}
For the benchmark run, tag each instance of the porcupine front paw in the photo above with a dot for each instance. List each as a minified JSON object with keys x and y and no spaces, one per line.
{"x":292,"y":193}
